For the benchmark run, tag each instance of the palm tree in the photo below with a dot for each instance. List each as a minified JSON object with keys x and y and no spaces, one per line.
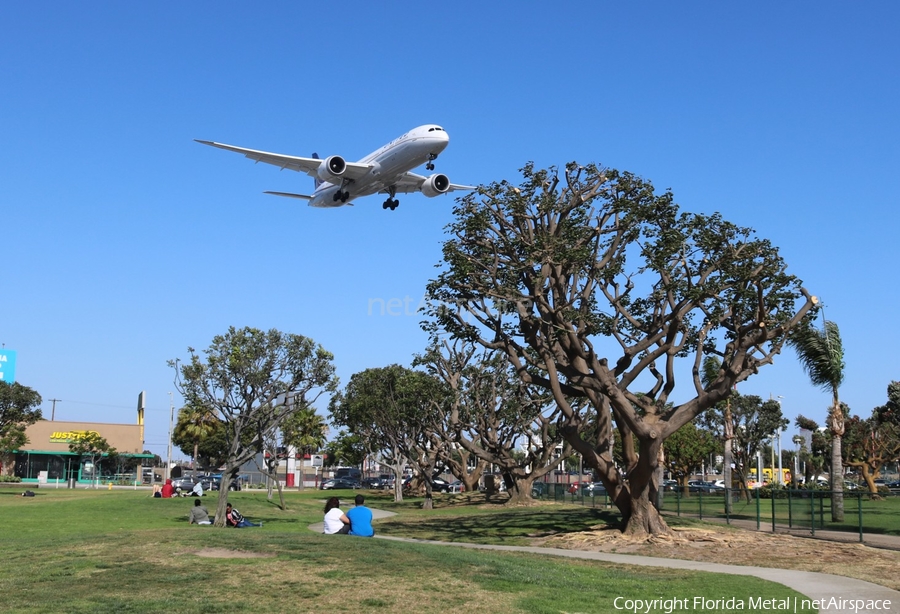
{"x":196,"y":423}
{"x":306,"y":431}
{"x":822,"y":356}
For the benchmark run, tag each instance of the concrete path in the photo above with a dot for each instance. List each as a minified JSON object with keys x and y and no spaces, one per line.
{"x":834,"y":593}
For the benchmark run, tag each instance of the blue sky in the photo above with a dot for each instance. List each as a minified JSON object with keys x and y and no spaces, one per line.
{"x":124,"y":242}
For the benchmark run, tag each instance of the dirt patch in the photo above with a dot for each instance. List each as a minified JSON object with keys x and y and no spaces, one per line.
{"x":225,"y":553}
{"x":735,"y":547}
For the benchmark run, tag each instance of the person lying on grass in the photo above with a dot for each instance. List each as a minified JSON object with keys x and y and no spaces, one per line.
{"x":233,"y":518}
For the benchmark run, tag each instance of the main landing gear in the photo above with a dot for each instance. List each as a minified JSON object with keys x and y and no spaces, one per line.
{"x":391,"y":203}
{"x":341,"y":195}
{"x":431,"y":159}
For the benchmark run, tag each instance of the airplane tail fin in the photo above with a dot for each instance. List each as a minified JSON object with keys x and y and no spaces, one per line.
{"x":317,"y":181}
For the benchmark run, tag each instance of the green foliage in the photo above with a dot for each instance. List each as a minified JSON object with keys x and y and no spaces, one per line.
{"x":305,"y":430}
{"x":755,"y":420}
{"x":597,"y":288}
{"x":252,"y":380}
{"x":821,"y":354}
{"x":346,"y":449}
{"x":687,"y":448}
{"x":19,"y":408}
{"x":389,"y":408}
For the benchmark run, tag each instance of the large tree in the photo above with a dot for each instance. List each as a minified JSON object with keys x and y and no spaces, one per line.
{"x":688,"y":448}
{"x":394,"y":410}
{"x":821,"y":354}
{"x":495,"y":416}
{"x":246,"y":378}
{"x":596,"y":287}
{"x":19,"y":409}
{"x":755,"y":421}
{"x":869,"y":444}
{"x":92,"y":446}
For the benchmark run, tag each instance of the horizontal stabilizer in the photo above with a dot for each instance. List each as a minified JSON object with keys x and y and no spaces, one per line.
{"x":290,"y":195}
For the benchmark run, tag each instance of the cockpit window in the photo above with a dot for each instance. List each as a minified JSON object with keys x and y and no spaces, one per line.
{"x":432,"y":129}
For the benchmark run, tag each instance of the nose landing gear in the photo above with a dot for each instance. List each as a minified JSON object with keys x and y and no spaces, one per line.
{"x":431,"y":159}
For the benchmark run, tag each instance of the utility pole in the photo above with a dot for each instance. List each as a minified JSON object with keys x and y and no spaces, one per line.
{"x":171,"y":426}
{"x":53,"y":411}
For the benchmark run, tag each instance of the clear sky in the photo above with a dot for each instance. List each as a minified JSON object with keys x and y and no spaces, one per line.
{"x":124,"y":242}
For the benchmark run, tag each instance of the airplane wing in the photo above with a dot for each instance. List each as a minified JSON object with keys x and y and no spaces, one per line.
{"x":411,"y":182}
{"x":289,"y":195}
{"x":309,"y":166}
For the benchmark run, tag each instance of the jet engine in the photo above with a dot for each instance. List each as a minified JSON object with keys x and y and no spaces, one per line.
{"x":331,"y":169}
{"x":436,"y":185}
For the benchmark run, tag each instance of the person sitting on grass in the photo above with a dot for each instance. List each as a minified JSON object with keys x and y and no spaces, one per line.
{"x":199,"y":514}
{"x":233,"y":518}
{"x":360,"y":519}
{"x":336,"y":522}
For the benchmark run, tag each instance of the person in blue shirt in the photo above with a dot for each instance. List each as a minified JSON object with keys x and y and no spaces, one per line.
{"x":360,"y":519}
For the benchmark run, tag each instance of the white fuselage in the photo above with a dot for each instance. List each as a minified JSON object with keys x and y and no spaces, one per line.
{"x":401,"y":155}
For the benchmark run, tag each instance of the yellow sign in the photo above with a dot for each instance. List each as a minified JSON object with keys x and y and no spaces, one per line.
{"x":69,"y":436}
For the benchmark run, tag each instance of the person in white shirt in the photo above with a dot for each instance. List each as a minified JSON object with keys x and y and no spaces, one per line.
{"x":336,"y":521}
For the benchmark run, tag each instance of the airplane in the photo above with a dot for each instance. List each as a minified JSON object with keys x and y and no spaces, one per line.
{"x":385,"y":170}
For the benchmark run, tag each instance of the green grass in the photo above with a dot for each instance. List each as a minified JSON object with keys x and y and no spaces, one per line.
{"x":122,"y":551}
{"x":878,"y":515}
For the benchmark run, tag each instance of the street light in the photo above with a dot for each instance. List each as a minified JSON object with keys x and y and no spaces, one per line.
{"x":780,"y":472}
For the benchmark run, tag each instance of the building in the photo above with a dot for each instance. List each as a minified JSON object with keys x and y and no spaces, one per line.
{"x":47,"y":451}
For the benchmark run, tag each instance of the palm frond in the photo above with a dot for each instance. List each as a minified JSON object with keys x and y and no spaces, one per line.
{"x":821,"y":354}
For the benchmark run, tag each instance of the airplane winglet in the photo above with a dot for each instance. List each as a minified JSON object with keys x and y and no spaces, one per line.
{"x":289,"y":195}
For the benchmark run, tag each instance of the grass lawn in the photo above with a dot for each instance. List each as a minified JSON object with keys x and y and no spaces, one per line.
{"x":877,"y":515}
{"x":123,"y":551}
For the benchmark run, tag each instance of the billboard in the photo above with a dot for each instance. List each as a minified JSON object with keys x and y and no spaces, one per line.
{"x":7,"y":366}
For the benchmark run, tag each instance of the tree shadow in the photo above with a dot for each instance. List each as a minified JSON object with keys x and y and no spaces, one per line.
{"x":501,"y":526}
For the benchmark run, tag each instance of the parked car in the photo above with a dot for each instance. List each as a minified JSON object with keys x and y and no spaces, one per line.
{"x":215,"y":483}
{"x":707,"y":487}
{"x":382,"y":481}
{"x":439,"y":485}
{"x":894,"y":484}
{"x":456,"y":486}
{"x":348,"y":473}
{"x":593,"y":489}
{"x":337,"y":483}
{"x":669,"y":485}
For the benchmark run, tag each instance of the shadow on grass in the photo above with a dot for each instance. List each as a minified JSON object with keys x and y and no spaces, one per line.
{"x":512,"y":526}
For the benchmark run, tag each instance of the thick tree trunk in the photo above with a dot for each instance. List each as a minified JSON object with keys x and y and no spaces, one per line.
{"x":640,"y":517}
{"x":520,"y":491}
{"x":398,"y":482}
{"x":644,"y":519}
